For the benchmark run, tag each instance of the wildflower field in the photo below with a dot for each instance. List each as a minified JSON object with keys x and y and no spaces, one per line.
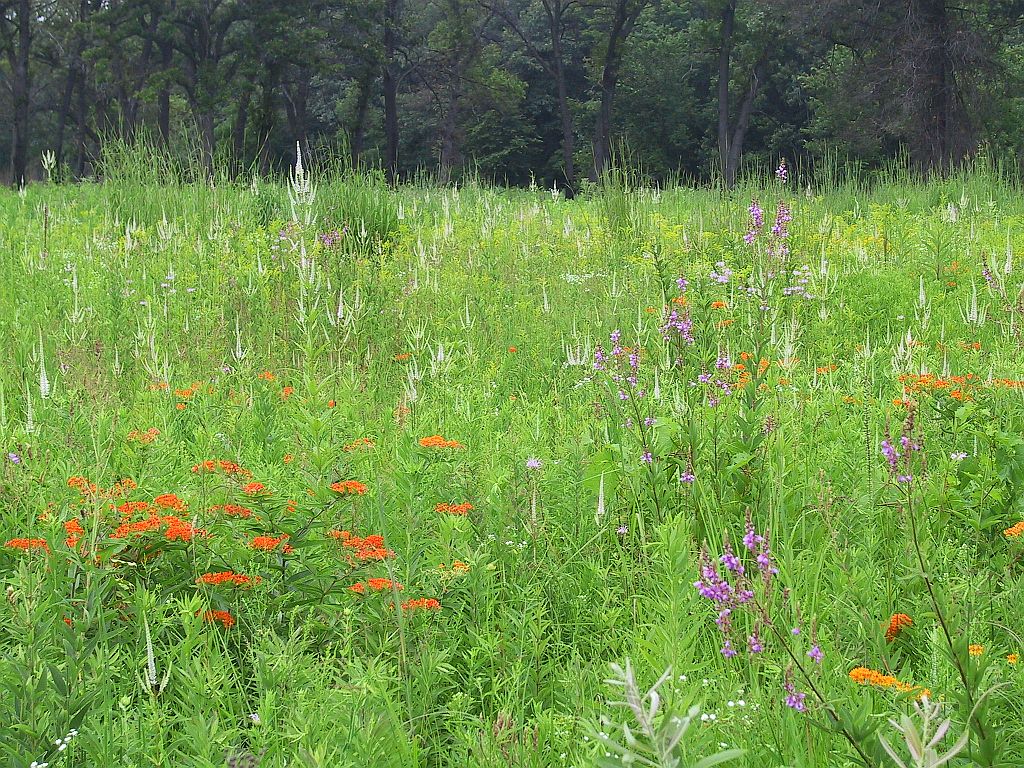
{"x":323,"y":473}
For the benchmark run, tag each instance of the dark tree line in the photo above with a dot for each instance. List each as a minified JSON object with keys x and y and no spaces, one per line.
{"x":514,"y":90}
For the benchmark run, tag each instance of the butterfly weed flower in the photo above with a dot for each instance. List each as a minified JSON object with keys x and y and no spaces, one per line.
{"x":349,"y":487}
{"x":439,"y":442}
{"x":421,"y":604}
{"x":28,"y":545}
{"x":454,"y":509}
{"x":1014,"y":531}
{"x":228,"y":577}
{"x":219,"y":617}
{"x":897,"y":623}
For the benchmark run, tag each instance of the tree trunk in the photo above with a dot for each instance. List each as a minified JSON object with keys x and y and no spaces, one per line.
{"x":164,"y":96}
{"x":936,"y":151}
{"x":568,"y":144}
{"x":63,"y":113}
{"x":238,"y":132}
{"x":724,"y":60}
{"x":358,"y":134}
{"x":622,"y":23}
{"x":390,"y":91}
{"x":739,"y":133}
{"x":18,"y":58}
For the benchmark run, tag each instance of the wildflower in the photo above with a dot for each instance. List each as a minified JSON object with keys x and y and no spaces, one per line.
{"x":353,"y":487}
{"x":782,"y":173}
{"x":28,"y":545}
{"x":1011,"y":658}
{"x":361,"y":443}
{"x":379,"y":585}
{"x":454,"y":509}
{"x":816,"y":654}
{"x":424,"y":603}
{"x":287,"y":392}
{"x":266,"y":376}
{"x":14,"y":458}
{"x":794,"y":698}
{"x":866,"y":676}
{"x":533,"y":463}
{"x":437,"y":441}
{"x":975,"y":650}
{"x":647,"y":458}
{"x":253,"y":489}
{"x":512,"y":350}
{"x":402,"y":357}
{"x":1014,"y":531}
{"x":271,"y":543}
{"x":228,"y":577}
{"x":288,"y":458}
{"x":359,"y":588}
{"x":143,"y":438}
{"x":74,"y":530}
{"x":229,"y":468}
{"x":896,"y":625}
{"x":234,"y":510}
{"x":170,"y":501}
{"x":622,"y":530}
{"x":331,"y":403}
{"x":958,"y":455}
{"x":719,"y":305}
{"x":460,"y":567}
{"x":222,"y":617}
{"x":362,"y":549}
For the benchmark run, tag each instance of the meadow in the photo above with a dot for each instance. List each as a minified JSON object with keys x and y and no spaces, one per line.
{"x":325,"y":473}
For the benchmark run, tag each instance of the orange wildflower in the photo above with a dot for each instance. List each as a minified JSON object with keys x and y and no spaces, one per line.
{"x":170,"y":501}
{"x":975,"y":650}
{"x":349,"y":486}
{"x":287,"y":392}
{"x":865,"y":676}
{"x":896,"y":625}
{"x":235,"y":510}
{"x":424,"y":603}
{"x":359,"y":588}
{"x":271,"y":543}
{"x":379,"y":585}
{"x":143,"y":438}
{"x":512,"y":350}
{"x":1011,"y":658}
{"x":1014,"y":531}
{"x":288,"y":458}
{"x":28,"y":544}
{"x":180,"y":406}
{"x":174,"y":528}
{"x":254,"y":489}
{"x":75,"y":531}
{"x":266,"y":376}
{"x":228,"y":577}
{"x":825,"y":369}
{"x":129,"y":508}
{"x":454,"y":509}
{"x":291,"y":506}
{"x":402,"y":357}
{"x":459,"y":567}
{"x":331,"y":403}
{"x":361,"y":443}
{"x":725,"y":323}
{"x":222,"y":617}
{"x":719,"y":305}
{"x":368,"y":548}
{"x":437,"y":441}
{"x":229,"y":468}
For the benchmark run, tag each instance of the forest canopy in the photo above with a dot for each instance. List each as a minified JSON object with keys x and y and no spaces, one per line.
{"x":512,"y":91}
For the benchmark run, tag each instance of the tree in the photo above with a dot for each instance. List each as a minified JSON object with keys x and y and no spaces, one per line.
{"x":16,"y":34}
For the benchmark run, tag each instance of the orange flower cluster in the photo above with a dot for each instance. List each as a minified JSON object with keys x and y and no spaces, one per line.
{"x":270,"y":543}
{"x":401,"y":357}
{"x":896,"y":625}
{"x":254,"y":489}
{"x":287,"y":392}
{"x":129,"y":508}
{"x":143,"y":438}
{"x":957,"y":386}
{"x":349,"y":486}
{"x":266,"y":376}
{"x":1011,"y":658}
{"x":421,"y":603}
{"x":457,"y":567}
{"x":235,"y":510}
{"x":75,"y":531}
{"x":454,"y":509}
{"x":173,"y":528}
{"x":821,"y":370}
{"x":970,"y":346}
{"x":160,"y":386}
{"x":437,"y":441}
{"x":170,"y":501}
{"x":229,"y":468}
{"x":223,"y":617}
{"x":865,"y":676}
{"x":975,"y":650}
{"x":362,"y":443}
{"x":116,"y":491}
{"x":719,"y":305}
{"x":377,"y":585}
{"x":28,"y":544}
{"x":368,"y":548}
{"x":1014,"y":531}
{"x":228,"y":577}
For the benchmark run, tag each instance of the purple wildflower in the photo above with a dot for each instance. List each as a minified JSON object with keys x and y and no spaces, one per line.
{"x":816,"y":654}
{"x":533,"y":463}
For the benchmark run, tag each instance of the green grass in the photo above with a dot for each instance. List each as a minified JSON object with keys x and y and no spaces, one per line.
{"x":474,"y":314}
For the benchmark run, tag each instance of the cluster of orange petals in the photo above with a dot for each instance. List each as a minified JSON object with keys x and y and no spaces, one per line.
{"x":266,"y":376}
{"x":254,"y":489}
{"x":229,"y":468}
{"x":170,"y":527}
{"x":457,"y":567}
{"x":367,"y":548}
{"x":144,"y":438}
{"x":974,"y":649}
{"x":454,"y":509}
{"x":821,"y":370}
{"x":377,"y":585}
{"x":719,"y":305}
{"x":28,"y":544}
{"x":116,"y":491}
{"x":170,"y":501}
{"x":75,"y":531}
{"x":228,"y":577}
{"x":363,"y":443}
{"x":401,"y":357}
{"x":234,"y":510}
{"x":896,"y":625}
{"x":865,"y":676}
{"x":1014,"y":531}
{"x":349,"y":486}
{"x":287,"y":392}
{"x":437,"y":441}
{"x":222,"y":617}
{"x":271,"y":543}
{"x":421,"y":603}
{"x":957,"y":386}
